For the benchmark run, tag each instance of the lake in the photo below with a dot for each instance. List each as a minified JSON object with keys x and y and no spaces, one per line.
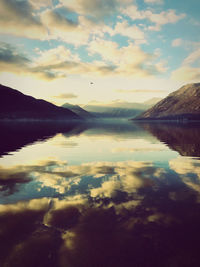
{"x":103,"y":194}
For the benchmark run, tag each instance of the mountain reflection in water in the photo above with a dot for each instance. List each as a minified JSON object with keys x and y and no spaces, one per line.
{"x":182,"y":137}
{"x":131,"y":201}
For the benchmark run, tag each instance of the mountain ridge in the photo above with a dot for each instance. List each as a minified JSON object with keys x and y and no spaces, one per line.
{"x":182,"y":104}
{"x":16,"y":105}
{"x":78,"y":110}
{"x":119,"y":109}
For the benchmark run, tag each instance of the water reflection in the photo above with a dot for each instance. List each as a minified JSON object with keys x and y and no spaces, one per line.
{"x":105,"y":211}
{"x":181,"y":137}
{"x":14,"y":136}
{"x":146,"y":218}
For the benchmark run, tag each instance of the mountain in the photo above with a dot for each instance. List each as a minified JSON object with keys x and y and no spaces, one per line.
{"x":15,"y":105}
{"x":152,"y":101}
{"x":183,"y":104}
{"x":111,"y":112}
{"x":78,"y":110}
{"x":117,"y":109}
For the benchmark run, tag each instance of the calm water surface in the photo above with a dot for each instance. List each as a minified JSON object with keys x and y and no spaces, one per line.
{"x":106,"y":195}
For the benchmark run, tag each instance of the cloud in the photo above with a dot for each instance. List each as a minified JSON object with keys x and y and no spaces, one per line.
{"x":57,"y":20}
{"x":25,"y":237}
{"x":153,"y":1}
{"x":65,"y":226}
{"x":124,"y":29}
{"x":138,"y":91}
{"x":19,"y":18}
{"x":12,"y":178}
{"x":37,"y":4}
{"x":186,"y":74}
{"x":76,"y":32}
{"x":95,"y":9}
{"x":33,"y":230}
{"x":192,"y":58}
{"x":22,"y":18}
{"x":141,"y":149}
{"x":51,"y":64}
{"x":60,"y":62}
{"x":133,"y":12}
{"x":61,"y":26}
{"x":118,"y":176}
{"x":9,"y":56}
{"x":128,"y":60}
{"x":55,"y":56}
{"x":66,"y":96}
{"x":165,"y":17}
{"x":34,"y":204}
{"x":189,"y":70}
{"x":188,"y":170}
{"x":65,"y":68}
{"x":177,"y":42}
{"x":128,"y":177}
{"x":11,"y":60}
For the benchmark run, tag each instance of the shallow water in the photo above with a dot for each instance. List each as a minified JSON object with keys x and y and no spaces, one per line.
{"x":105,"y":194}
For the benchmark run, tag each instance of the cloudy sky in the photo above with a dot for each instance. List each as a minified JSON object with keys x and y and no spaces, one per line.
{"x":131,"y":50}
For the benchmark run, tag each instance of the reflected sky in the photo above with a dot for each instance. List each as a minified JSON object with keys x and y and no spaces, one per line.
{"x":106,"y":195}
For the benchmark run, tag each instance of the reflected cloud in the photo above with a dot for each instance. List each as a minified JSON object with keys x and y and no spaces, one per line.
{"x":98,"y":179}
{"x":18,"y":222}
{"x":66,"y":144}
{"x":188,"y":170}
{"x":12,"y":178}
{"x":186,"y":166}
{"x":146,"y":229}
{"x":34,"y":204}
{"x":105,"y":179}
{"x":139,"y":149}
{"x":128,"y":177}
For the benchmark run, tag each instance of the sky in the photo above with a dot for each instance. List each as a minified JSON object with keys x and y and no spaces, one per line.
{"x":99,"y":51}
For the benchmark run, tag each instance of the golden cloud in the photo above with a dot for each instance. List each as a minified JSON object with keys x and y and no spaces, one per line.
{"x":188,"y":72}
{"x":16,"y":17}
{"x":94,"y":8}
{"x":187,"y":168}
{"x":45,"y":67}
{"x":66,"y":96}
{"x":159,"y":19}
{"x":138,"y":91}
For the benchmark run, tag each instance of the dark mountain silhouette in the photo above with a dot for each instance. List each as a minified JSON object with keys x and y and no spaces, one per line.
{"x":183,"y":104}
{"x":15,"y":105}
{"x":181,"y":137}
{"x":78,"y":110}
{"x":119,"y":109}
